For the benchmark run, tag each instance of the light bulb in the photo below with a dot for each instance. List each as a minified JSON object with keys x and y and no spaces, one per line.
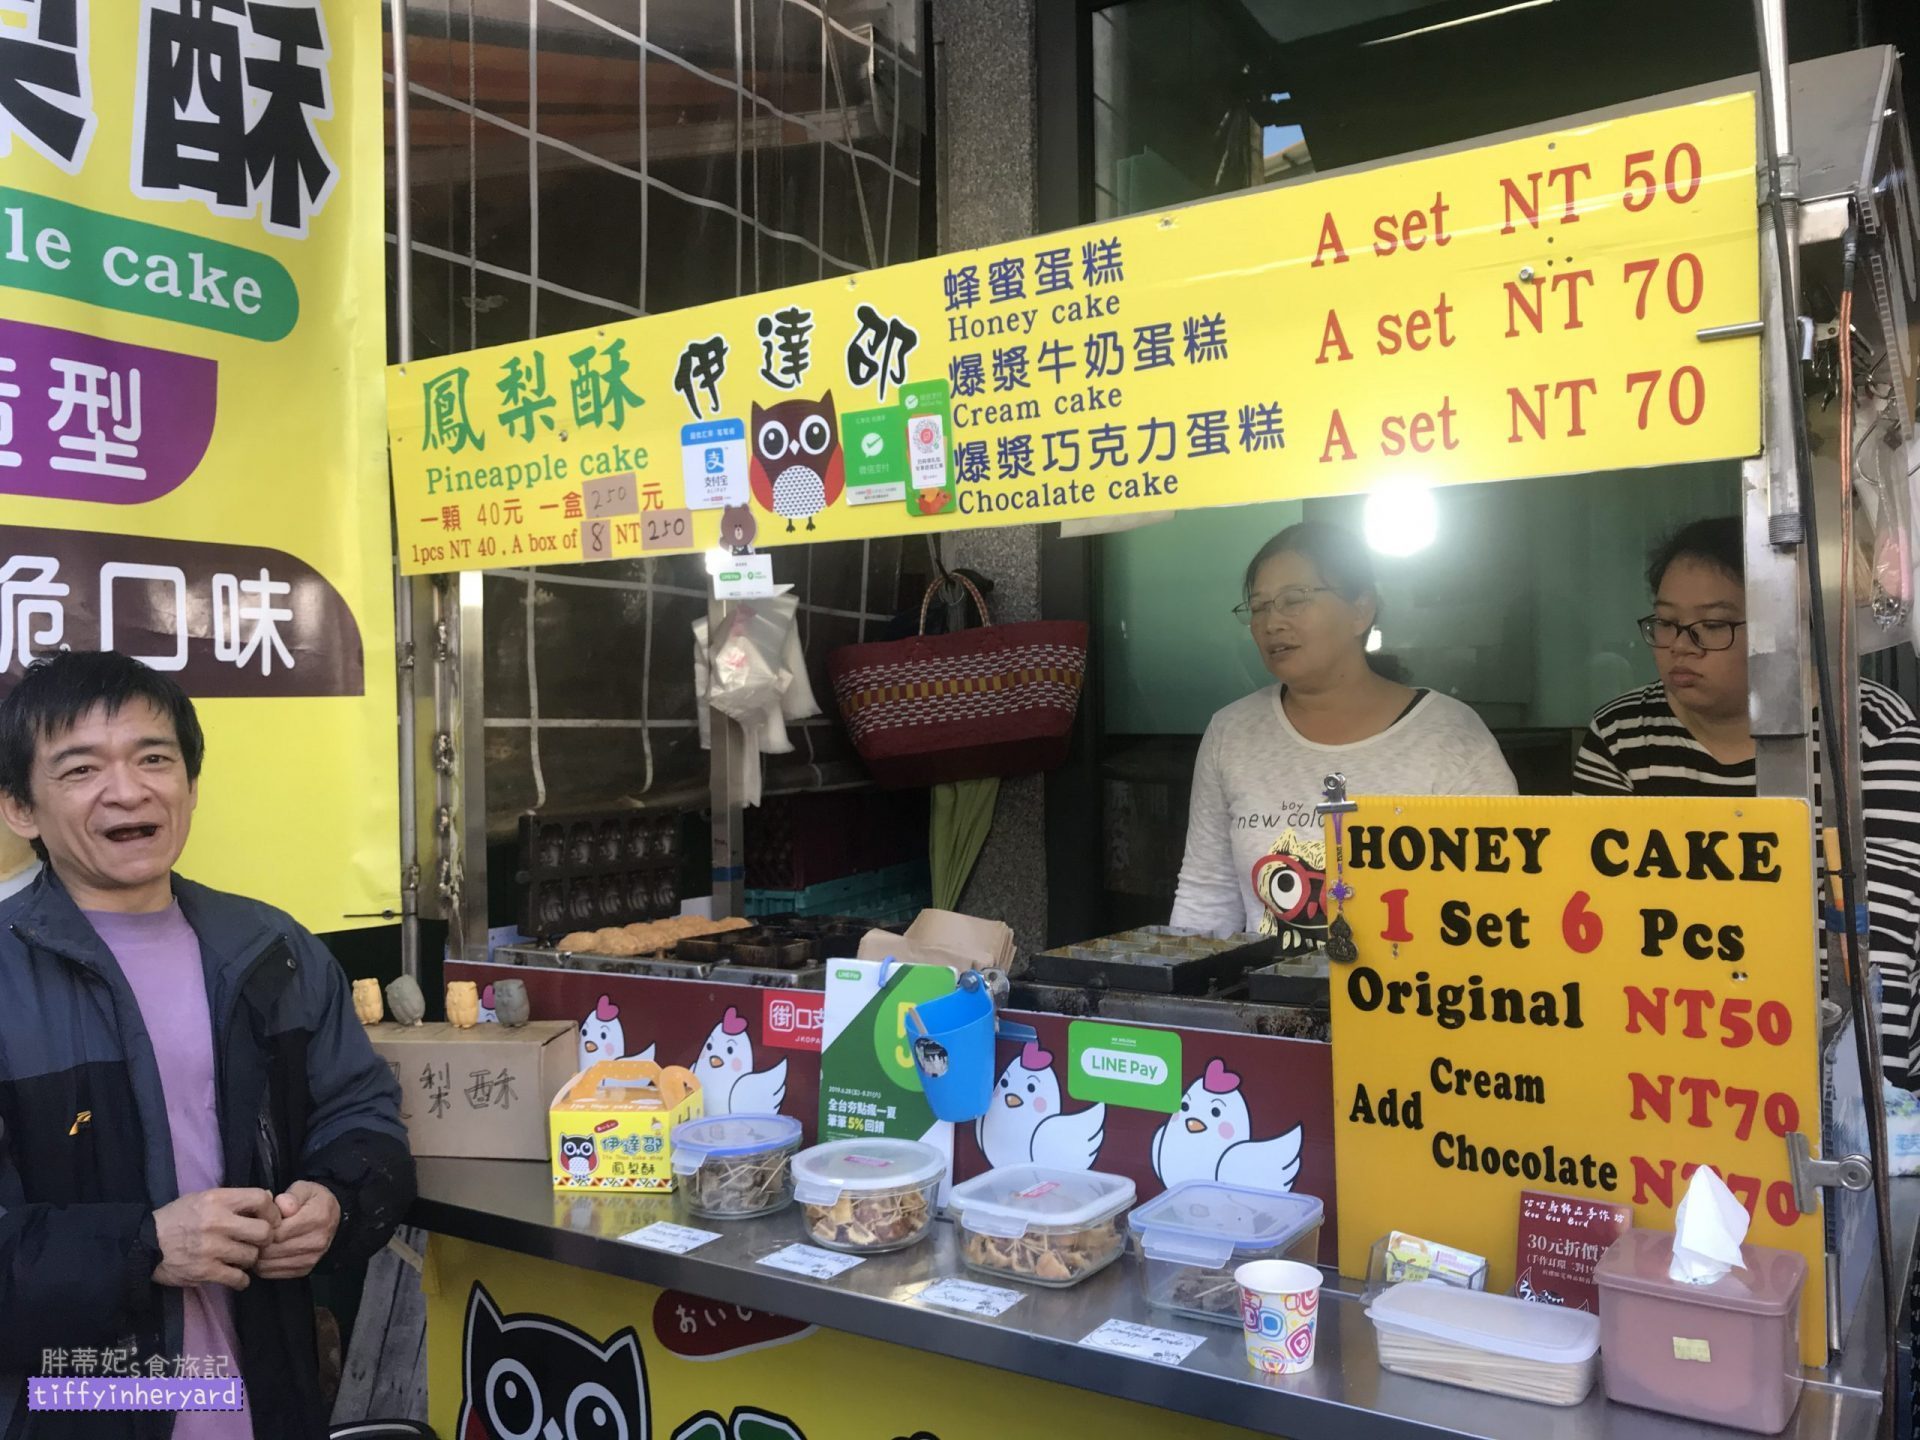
{"x":1401,"y":519}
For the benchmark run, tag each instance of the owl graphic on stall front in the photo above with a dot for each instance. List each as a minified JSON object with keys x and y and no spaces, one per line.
{"x":530,"y":1376}
{"x":1291,"y":881}
{"x":580,"y":1155}
{"x":797,"y":468}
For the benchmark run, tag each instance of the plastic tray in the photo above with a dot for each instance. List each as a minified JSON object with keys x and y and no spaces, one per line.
{"x":1194,"y":1236}
{"x":1041,"y":1226}
{"x":731,"y":1167}
{"x":867,"y":1196}
{"x":1491,"y":1343}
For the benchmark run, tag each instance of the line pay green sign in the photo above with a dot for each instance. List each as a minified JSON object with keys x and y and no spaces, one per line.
{"x":1128,"y":1065}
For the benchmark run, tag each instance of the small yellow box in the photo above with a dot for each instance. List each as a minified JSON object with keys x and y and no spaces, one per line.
{"x":612,"y":1125}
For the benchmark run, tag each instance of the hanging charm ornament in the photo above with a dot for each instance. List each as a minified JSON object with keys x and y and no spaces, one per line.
{"x":1341,"y":949}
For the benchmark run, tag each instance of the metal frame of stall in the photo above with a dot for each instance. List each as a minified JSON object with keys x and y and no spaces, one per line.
{"x":1853,"y":168}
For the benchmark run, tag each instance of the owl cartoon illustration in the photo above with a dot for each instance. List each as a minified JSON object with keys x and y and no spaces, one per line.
{"x":580,"y":1155}
{"x":531,"y":1375}
{"x":797,"y":468}
{"x":1291,"y":883}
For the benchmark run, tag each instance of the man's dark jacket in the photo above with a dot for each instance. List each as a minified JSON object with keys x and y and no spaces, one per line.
{"x":86,"y":1157}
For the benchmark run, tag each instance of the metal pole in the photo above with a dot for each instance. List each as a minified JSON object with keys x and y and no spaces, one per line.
{"x":1780,"y":678}
{"x":467,"y":775}
{"x":727,"y":764}
{"x":1792,"y":529}
{"x":1773,"y":39}
{"x":402,"y":585}
{"x":726,"y":774}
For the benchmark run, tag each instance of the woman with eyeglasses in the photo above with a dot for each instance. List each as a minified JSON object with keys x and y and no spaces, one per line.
{"x":1255,"y":859}
{"x":1690,"y":735}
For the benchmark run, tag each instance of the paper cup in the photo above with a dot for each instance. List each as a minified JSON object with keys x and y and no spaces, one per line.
{"x":1279,"y":1312}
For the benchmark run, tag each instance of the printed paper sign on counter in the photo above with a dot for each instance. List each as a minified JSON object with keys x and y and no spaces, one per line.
{"x":1583,"y":995}
{"x":1526,"y":308}
{"x":868,"y":1084}
{"x":191,"y":448}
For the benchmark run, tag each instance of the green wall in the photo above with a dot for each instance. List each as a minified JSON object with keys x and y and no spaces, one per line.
{"x":1523,"y":606}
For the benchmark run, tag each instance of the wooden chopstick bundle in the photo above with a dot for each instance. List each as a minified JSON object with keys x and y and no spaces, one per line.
{"x":1452,"y":1364}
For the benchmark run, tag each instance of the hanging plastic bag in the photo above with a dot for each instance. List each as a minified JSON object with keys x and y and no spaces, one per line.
{"x":757,"y":674}
{"x":748,"y":670}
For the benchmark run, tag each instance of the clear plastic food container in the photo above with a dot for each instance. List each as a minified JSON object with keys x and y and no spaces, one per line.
{"x":731,"y":1167}
{"x":1727,"y":1353}
{"x":866,"y":1196}
{"x":1495,"y":1343}
{"x":1047,"y":1227}
{"x":1194,"y":1236}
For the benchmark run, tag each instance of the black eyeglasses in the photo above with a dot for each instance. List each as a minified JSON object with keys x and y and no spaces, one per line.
{"x":1287,"y":603}
{"x":1661,"y":632}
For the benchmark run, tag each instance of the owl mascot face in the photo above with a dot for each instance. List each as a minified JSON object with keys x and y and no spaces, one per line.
{"x":579,"y":1155}
{"x":797,"y":469}
{"x":532,"y":1376}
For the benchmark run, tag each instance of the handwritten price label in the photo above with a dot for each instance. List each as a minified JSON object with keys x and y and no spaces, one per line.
{"x":610,"y":495}
{"x":666,"y":530}
{"x":673,"y":1239}
{"x":1145,"y":1342}
{"x":970,"y":1298}
{"x":811,"y":1261}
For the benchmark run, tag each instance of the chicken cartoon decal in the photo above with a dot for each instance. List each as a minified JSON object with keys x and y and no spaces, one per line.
{"x":797,"y":469}
{"x":1210,"y":1137}
{"x":602,"y":1037}
{"x":1025,"y":1125}
{"x":725,"y":1068}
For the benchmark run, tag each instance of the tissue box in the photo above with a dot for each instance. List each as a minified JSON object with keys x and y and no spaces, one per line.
{"x":612,"y":1125}
{"x":479,"y":1093}
{"x":1726,"y":1353}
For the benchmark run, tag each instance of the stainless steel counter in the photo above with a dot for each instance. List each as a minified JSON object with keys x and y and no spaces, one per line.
{"x":1346,"y":1396}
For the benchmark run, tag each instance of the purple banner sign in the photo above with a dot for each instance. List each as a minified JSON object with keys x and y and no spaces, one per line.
{"x":82,"y":418}
{"x":224,"y":619}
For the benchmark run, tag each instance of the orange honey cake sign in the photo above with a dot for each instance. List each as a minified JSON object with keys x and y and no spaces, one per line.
{"x":1584,"y":995}
{"x":1520,"y":309}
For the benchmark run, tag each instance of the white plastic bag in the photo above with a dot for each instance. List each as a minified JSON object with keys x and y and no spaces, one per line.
{"x":758,"y":675}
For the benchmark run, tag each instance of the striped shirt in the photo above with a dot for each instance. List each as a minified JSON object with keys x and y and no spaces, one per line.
{"x":1636,"y":745}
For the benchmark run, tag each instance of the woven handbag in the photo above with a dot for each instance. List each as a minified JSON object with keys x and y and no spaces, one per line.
{"x":996,"y":700}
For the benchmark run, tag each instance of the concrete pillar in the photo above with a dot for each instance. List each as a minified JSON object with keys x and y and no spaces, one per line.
{"x":985,"y":97}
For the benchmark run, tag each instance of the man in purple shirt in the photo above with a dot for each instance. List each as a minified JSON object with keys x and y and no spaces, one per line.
{"x":191,"y":1119}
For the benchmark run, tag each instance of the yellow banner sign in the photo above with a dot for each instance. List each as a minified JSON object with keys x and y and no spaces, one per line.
{"x":676,"y":1366}
{"x":1587,"y":997}
{"x":1529,"y":308}
{"x":191,"y":452}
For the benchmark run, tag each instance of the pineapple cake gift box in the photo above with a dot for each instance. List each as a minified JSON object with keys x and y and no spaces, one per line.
{"x":612,"y":1125}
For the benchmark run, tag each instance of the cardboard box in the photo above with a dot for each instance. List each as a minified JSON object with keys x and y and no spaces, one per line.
{"x":611,"y":1126}
{"x":478,"y":1093}
{"x":941,"y":937}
